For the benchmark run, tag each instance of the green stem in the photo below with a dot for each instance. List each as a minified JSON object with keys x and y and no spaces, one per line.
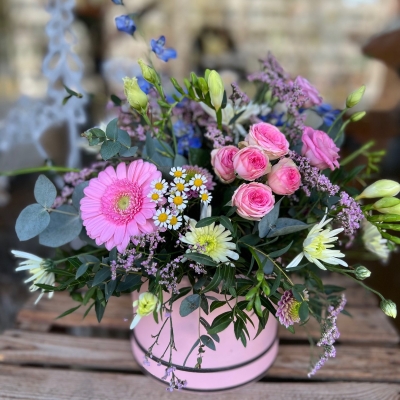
{"x":358,"y":152}
{"x":338,"y":118}
{"x":61,"y":212}
{"x":83,"y":254}
{"x":38,"y":169}
{"x":340,"y":133}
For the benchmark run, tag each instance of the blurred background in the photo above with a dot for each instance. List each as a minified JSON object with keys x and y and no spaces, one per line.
{"x":338,"y":45}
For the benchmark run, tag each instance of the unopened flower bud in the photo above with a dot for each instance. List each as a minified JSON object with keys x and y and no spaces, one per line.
{"x":388,"y":205}
{"x":357,"y":116}
{"x":203,"y":85}
{"x":362,"y":273}
{"x":389,"y":308}
{"x":216,"y":88}
{"x":148,"y":73}
{"x":354,"y":97}
{"x":381,"y":188}
{"x":135,"y":96}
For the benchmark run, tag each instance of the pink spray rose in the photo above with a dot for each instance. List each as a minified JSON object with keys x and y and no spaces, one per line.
{"x":320,"y":149}
{"x":269,"y":138}
{"x":314,"y":99}
{"x":222,"y":161}
{"x":253,"y":200}
{"x":284,"y":177}
{"x":251,"y":163}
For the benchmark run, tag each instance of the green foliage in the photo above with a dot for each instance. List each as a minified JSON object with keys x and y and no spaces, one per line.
{"x":32,"y":220}
{"x":189,"y":304}
{"x":45,"y":192}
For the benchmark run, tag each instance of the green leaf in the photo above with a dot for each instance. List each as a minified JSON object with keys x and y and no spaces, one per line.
{"x":131,"y":281}
{"x":99,"y":308}
{"x":115,"y":99}
{"x":206,"y":221}
{"x":207,"y":341}
{"x":45,"y":192}
{"x":284,"y":226}
{"x":70,"y":311}
{"x":196,"y":343}
{"x":215,"y":281}
{"x":277,"y":281}
{"x":280,"y":252}
{"x":303,"y":311}
{"x":182,"y":292}
{"x":111,"y":288}
{"x":99,"y":133}
{"x":221,"y":322}
{"x":201,"y":259}
{"x":150,"y":146}
{"x":128,"y":152}
{"x":226,"y":222}
{"x":268,"y":221}
{"x":62,"y":227}
{"x":78,"y":194}
{"x":199,"y":157}
{"x":328,"y":289}
{"x":252,"y":240}
{"x":236,"y":117}
{"x":177,"y":86}
{"x":179,"y":161}
{"x":33,"y":220}
{"x":109,"y":149}
{"x":238,"y":327}
{"x":231,"y":211}
{"x":124,"y":139}
{"x":88,"y":295}
{"x":204,"y":304}
{"x":112,"y":130}
{"x":297,"y":295}
{"x":189,"y":304}
{"x":47,"y":288}
{"x":268,"y":267}
{"x":81,"y":270}
{"x":72,"y":93}
{"x":88,"y":310}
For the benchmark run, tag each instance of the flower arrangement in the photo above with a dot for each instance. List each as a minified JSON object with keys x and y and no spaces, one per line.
{"x":227,"y":194}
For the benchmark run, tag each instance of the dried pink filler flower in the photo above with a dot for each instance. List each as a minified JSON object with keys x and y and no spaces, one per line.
{"x":116,"y":206}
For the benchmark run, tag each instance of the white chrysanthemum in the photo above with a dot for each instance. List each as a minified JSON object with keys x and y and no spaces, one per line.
{"x":174,"y":222}
{"x":161,"y":217}
{"x":178,"y":172}
{"x":212,"y":240}
{"x":205,"y":196}
{"x":160,"y":185}
{"x":179,"y":185}
{"x":317,"y":247}
{"x":374,"y":242}
{"x":178,"y":199}
{"x":37,"y":268}
{"x":198,"y":182}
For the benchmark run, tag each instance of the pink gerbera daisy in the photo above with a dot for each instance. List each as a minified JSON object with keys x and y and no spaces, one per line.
{"x":116,"y":205}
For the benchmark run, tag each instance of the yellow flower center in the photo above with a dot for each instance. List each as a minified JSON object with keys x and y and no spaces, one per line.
{"x":204,"y":196}
{"x":173,"y":220}
{"x":178,"y":200}
{"x":198,"y":182}
{"x":316,"y":247}
{"x":180,"y":187}
{"x":155,"y":196}
{"x":178,"y":174}
{"x":123,"y":202}
{"x":162,"y":217}
{"x":208,"y":242}
{"x":159,"y":186}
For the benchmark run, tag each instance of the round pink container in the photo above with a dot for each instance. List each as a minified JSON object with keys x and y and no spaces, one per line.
{"x":230,"y":366}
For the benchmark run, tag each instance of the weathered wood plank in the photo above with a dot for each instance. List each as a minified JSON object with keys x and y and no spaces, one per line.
{"x":368,"y":325}
{"x":369,"y":364}
{"x":44,"y":384}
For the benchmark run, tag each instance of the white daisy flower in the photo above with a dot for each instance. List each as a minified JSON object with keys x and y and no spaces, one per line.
{"x":161,"y":217}
{"x":179,"y":185}
{"x":178,"y":172}
{"x":213,"y":241}
{"x":174,"y":222}
{"x":155,"y":196}
{"x":38,"y":269}
{"x":178,"y":199}
{"x":160,"y":185}
{"x":198,"y":182}
{"x":317,"y":245}
{"x":205,"y":196}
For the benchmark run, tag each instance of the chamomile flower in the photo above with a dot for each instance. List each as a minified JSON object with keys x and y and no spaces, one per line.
{"x":174,"y":222}
{"x":205,"y":196}
{"x":160,"y":185}
{"x":155,"y":196}
{"x":212,"y":240}
{"x":161,"y":217}
{"x":178,"y":172}
{"x":178,"y":199}
{"x":317,"y":245}
{"x":198,"y":182}
{"x":179,"y":185}
{"x":37,"y":267}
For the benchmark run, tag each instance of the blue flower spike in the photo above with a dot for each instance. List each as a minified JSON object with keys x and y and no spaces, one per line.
{"x":118,"y":2}
{"x":125,"y":23}
{"x":161,"y":52}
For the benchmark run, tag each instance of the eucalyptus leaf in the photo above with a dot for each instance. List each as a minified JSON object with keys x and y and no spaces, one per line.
{"x":112,"y":130}
{"x":128,"y":152}
{"x":32,"y":220}
{"x":130,"y":282}
{"x":267,"y":223}
{"x":150,"y":146}
{"x":109,"y":149}
{"x":268,"y":267}
{"x":303,"y":311}
{"x":207,"y":341}
{"x":201,"y":259}
{"x":285,"y":226}
{"x":81,"y":270}
{"x":189,"y":304}
{"x":124,"y":139}
{"x":179,"y":161}
{"x":64,"y":226}
{"x":45,"y":192}
{"x":78,"y":194}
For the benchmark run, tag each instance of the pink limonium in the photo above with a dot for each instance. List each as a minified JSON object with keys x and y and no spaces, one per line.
{"x":269,"y":138}
{"x":251,"y":163}
{"x":116,"y":205}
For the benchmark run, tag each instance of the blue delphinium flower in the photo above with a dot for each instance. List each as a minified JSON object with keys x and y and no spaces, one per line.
{"x":327,"y":113}
{"x":187,"y":137}
{"x":274,"y":118}
{"x":118,"y":2}
{"x":143,"y":84}
{"x":125,"y":23}
{"x":161,"y":52}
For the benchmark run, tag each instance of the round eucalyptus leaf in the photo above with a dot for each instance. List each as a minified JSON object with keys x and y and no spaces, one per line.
{"x":65,"y":225}
{"x":78,"y":194}
{"x":32,"y":220}
{"x":45,"y":192}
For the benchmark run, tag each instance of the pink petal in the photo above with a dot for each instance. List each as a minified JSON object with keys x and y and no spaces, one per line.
{"x":134,"y":170}
{"x":140,"y":218}
{"x":148,"y":227}
{"x":122,"y":247}
{"x":133,"y":229}
{"x":105,"y":178}
{"x":111,"y":172}
{"x":110,"y":244}
{"x":121,"y":171}
{"x":108,"y":233}
{"x":120,"y":232}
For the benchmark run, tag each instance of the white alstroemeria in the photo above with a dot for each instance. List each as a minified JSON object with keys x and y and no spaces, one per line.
{"x":37,"y":267}
{"x":374,"y":242}
{"x":205,"y":211}
{"x":146,"y":304}
{"x":317,"y":247}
